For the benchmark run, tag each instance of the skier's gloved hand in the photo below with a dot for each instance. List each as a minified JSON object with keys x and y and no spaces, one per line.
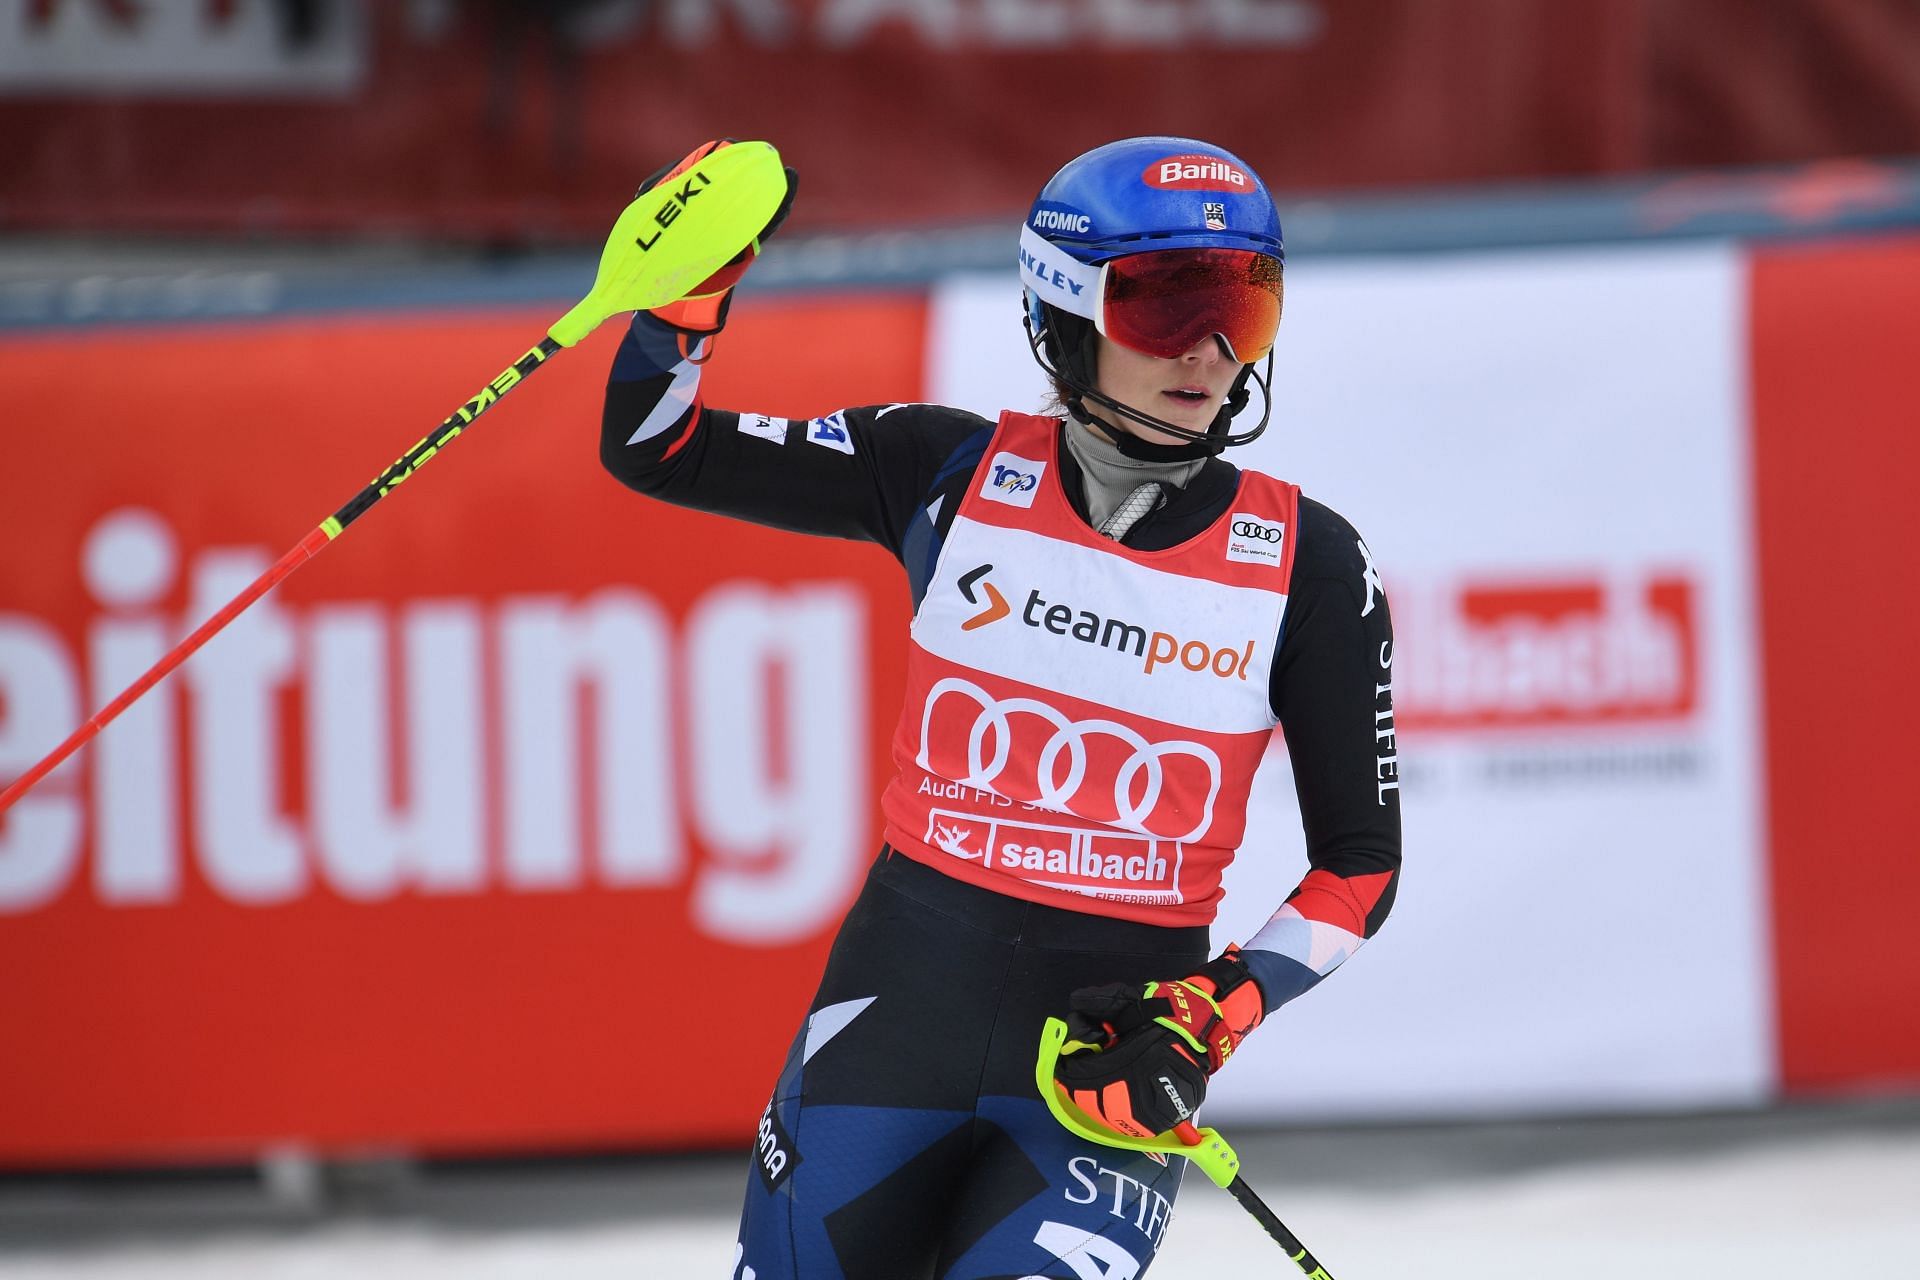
{"x":1137,"y":1058}
{"x":703,"y":311}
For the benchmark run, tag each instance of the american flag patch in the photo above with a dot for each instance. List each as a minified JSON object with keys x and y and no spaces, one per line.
{"x":1216,"y":215}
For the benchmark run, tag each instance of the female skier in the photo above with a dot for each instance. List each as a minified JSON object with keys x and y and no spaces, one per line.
{"x":1109,"y":622}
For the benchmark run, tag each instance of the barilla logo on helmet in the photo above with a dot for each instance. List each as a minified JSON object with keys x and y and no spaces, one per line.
{"x":1197,"y":173}
{"x":1060,"y":219}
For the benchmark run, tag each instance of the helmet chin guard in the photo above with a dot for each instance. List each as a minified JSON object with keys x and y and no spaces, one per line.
{"x":1073,"y":373}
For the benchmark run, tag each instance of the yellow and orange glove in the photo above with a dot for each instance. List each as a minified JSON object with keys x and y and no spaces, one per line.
{"x":703,"y":311}
{"x":1137,"y":1058}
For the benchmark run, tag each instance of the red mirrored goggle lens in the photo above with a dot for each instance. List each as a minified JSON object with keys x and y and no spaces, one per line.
{"x":1163,"y":303}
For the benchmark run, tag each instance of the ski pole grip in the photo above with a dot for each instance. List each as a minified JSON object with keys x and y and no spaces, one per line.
{"x":1204,"y":1147}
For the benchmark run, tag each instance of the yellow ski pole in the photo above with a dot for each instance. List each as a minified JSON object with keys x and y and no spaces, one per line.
{"x":1204,"y":1147}
{"x":668,"y":240}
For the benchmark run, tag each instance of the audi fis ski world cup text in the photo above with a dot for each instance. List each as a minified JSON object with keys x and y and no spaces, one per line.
{"x":1253,"y":540}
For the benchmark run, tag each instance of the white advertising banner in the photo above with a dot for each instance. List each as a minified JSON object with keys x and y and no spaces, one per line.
{"x":1547,"y":454}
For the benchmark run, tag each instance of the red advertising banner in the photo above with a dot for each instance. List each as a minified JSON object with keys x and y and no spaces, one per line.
{"x":443,"y":844}
{"x":523,"y":120}
{"x":1835,"y":451}
{"x":516,"y":821}
{"x":1539,"y":654}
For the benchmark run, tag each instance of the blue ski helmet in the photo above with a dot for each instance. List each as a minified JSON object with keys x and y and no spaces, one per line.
{"x":1146,"y":196}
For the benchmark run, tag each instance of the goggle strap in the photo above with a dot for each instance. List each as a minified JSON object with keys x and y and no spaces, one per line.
{"x":1058,"y":279}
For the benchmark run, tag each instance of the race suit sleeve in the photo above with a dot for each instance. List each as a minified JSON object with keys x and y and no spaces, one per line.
{"x":863,"y":473}
{"x":1332,"y":688}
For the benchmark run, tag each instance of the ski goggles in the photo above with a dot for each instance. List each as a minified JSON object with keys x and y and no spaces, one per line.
{"x":1165,"y":301}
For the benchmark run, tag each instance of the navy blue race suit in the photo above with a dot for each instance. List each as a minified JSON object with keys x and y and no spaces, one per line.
{"x":904,"y":1137}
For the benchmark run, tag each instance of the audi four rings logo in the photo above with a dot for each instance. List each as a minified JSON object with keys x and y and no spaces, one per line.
{"x":990,"y":748}
{"x":1255,"y":540}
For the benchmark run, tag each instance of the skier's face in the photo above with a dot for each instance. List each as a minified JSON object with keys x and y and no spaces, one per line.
{"x":1187,"y":390}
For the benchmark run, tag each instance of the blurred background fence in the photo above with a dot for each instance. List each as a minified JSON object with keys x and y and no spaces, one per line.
{"x":1602,"y":322}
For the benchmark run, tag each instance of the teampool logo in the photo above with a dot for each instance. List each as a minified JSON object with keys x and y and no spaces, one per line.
{"x":994,"y":604}
{"x":1154,"y":648}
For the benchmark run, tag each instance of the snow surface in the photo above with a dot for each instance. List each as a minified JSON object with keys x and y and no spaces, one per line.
{"x":1823,"y":1206}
